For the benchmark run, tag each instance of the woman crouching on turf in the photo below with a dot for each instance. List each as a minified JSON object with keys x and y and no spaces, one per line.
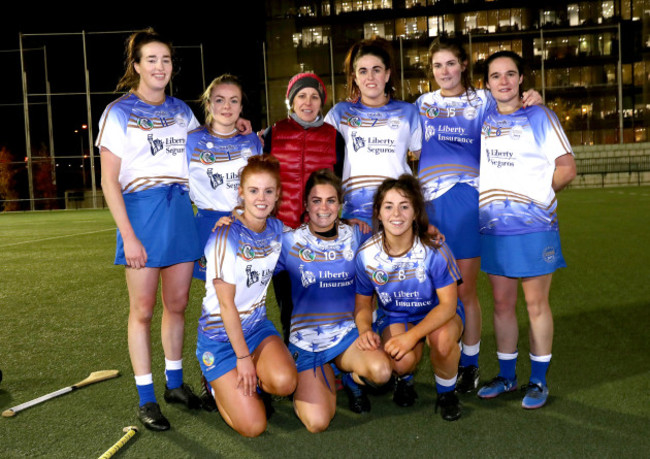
{"x":416,"y":284}
{"x":240,"y":352}
{"x":319,"y":257}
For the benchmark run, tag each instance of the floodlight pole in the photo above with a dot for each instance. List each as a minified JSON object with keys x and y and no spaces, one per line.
{"x":266,"y":85}
{"x":50,"y":128}
{"x":28,"y":143}
{"x":91,"y":150}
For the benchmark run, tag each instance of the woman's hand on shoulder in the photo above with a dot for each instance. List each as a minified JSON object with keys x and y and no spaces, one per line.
{"x":246,"y":375}
{"x":531,"y":97}
{"x":363,"y":226}
{"x":437,"y":237}
{"x":368,"y":341}
{"x":244,"y":126}
{"x":225,"y":220}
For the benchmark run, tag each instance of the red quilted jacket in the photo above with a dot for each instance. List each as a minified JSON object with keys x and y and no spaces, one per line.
{"x":300,"y":152}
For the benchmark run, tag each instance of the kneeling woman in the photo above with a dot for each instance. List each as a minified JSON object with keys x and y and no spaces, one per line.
{"x":319,"y":257}
{"x":416,"y":284}
{"x":239,"y":350}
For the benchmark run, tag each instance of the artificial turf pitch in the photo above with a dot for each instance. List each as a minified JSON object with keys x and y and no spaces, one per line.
{"x":63,"y":314}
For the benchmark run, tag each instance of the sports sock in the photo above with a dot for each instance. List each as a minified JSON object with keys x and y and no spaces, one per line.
{"x":507,"y":365}
{"x":349,"y":383}
{"x":469,"y":355}
{"x":406,"y":378}
{"x":539,"y":367}
{"x":445,"y":385}
{"x":174,"y":373}
{"x":144,"y":384}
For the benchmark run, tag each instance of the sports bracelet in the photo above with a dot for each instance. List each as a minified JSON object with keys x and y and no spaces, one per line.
{"x":243,"y":356}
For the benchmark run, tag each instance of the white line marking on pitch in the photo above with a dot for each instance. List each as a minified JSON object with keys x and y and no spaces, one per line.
{"x":56,"y":237}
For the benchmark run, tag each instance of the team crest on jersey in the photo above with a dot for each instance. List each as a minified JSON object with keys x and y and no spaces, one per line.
{"x":247,"y":252}
{"x":354,"y":121}
{"x":251,"y":276}
{"x":306,"y":255}
{"x":420,"y":274}
{"x":380,"y":277}
{"x":276,"y":246}
{"x":307,"y":278}
{"x":393,"y":122}
{"x":515,"y":132}
{"x":246,"y":153}
{"x":145,"y":124}
{"x":155,"y":145}
{"x":432,"y":112}
{"x":549,"y":254}
{"x":203,"y":262}
{"x":207,"y":158}
{"x":180,"y":120}
{"x":385,"y":297}
{"x":470,"y":113}
{"x":208,"y":358}
{"x":357,"y":142}
{"x":429,"y":132}
{"x":216,"y":178}
{"x":348,"y":254}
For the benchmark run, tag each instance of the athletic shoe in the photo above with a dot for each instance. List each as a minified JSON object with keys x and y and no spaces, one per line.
{"x":267,"y":400}
{"x":467,"y":379}
{"x":150,"y":415}
{"x":536,"y":395}
{"x":183,"y":395}
{"x":497,"y":386}
{"x":207,"y":400}
{"x":357,"y":398}
{"x":404,"y":392}
{"x":449,"y":406}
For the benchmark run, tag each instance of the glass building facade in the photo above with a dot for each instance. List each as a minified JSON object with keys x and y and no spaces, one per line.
{"x":589,"y":59}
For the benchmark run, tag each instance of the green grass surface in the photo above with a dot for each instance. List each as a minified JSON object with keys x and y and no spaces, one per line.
{"x":63,"y":313}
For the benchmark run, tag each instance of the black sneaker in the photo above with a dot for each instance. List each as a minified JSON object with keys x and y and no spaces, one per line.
{"x":184,"y":395}
{"x":267,"y":399}
{"x":467,"y":379}
{"x":404,"y":392}
{"x":357,"y":398}
{"x":449,"y":406}
{"x":150,"y":415}
{"x":207,"y":400}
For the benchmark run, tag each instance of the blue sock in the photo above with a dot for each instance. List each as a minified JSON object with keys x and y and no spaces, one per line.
{"x":507,"y":365}
{"x":174,"y":373}
{"x":469,"y":355}
{"x":174,"y":378}
{"x":538,"y":368}
{"x":146,"y":393}
{"x":445,"y":385}
{"x":407,"y":377}
{"x":349,"y":382}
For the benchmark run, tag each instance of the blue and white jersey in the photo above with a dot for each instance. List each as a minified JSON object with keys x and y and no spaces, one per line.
{"x":149,"y":139}
{"x":405,"y":286}
{"x":451,"y":127}
{"x":376,"y":143}
{"x":322,"y":276}
{"x":214,"y":163}
{"x":240,"y":256}
{"x":518,"y":153}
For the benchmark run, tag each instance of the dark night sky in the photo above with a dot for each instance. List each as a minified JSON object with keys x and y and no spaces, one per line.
{"x":231,"y":36}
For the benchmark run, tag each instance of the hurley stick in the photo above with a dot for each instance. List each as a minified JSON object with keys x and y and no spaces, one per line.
{"x":94,"y":377}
